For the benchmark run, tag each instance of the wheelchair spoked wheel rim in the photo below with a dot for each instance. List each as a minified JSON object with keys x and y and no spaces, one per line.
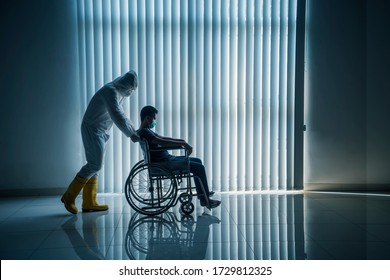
{"x":150,"y":189}
{"x":139,"y":176}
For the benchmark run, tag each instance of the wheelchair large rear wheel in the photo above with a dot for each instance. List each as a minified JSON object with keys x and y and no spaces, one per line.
{"x":150,"y":189}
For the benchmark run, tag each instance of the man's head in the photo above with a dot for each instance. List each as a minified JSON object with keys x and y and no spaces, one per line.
{"x":148,"y":116}
{"x":127,"y":83}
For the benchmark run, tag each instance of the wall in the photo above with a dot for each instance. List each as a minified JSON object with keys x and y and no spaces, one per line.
{"x":345,"y":104}
{"x":40,"y":144}
{"x":378,"y":93}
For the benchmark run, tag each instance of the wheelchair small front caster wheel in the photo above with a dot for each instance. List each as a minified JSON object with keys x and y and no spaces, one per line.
{"x":184,"y":198}
{"x":187,"y":208}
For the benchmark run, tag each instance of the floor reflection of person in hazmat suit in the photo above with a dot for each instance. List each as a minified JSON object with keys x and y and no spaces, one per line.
{"x":103,"y":110}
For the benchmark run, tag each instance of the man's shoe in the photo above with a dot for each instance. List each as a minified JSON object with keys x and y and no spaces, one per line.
{"x":211,"y":203}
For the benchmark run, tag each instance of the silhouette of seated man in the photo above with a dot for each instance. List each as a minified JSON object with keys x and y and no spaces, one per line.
{"x":161,"y":143}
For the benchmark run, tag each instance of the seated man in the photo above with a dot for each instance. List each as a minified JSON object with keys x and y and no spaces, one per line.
{"x":155,"y":141}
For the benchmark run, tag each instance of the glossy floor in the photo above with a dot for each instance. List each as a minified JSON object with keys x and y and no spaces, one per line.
{"x":272,"y":226}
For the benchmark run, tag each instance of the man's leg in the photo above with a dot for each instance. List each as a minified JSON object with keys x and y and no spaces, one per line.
{"x":94,"y":145}
{"x":95,"y":155}
{"x":197,"y":168}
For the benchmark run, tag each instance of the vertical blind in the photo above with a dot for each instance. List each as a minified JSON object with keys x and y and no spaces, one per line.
{"x":221,"y":73}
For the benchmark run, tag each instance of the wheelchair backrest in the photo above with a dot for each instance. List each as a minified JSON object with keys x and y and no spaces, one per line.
{"x":145,"y":150}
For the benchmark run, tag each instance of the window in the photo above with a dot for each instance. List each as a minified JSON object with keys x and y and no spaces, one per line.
{"x":221,"y":74}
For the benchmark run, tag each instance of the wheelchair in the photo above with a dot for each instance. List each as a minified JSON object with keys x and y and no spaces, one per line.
{"x":153,"y":188}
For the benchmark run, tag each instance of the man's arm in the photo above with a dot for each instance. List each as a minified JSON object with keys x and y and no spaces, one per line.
{"x":167,"y":142}
{"x":118,"y":116}
{"x":171,"y":139}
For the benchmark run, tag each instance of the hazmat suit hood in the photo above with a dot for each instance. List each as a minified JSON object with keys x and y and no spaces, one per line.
{"x":126,"y":83}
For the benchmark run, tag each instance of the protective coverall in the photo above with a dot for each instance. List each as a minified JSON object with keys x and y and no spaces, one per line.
{"x":102,"y":112}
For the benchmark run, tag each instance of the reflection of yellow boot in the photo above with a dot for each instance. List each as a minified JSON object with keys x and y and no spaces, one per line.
{"x":71,"y":193}
{"x":89,"y":197}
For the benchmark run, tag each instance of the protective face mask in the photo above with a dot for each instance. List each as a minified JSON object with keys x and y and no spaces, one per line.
{"x":129,"y":92}
{"x":153,"y":124}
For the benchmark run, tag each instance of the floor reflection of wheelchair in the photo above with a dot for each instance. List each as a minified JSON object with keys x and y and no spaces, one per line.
{"x":165,"y":237}
{"x":153,"y":188}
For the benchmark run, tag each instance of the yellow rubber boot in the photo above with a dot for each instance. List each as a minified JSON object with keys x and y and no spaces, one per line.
{"x":89,"y":197}
{"x":69,"y":197}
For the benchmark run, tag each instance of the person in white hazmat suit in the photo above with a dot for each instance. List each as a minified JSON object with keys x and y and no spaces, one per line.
{"x":103,"y":110}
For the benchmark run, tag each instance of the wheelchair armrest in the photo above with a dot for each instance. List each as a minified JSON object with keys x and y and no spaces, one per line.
{"x":170,"y":148}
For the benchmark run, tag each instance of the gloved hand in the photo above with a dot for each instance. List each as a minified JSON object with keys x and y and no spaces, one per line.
{"x":135,"y":138}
